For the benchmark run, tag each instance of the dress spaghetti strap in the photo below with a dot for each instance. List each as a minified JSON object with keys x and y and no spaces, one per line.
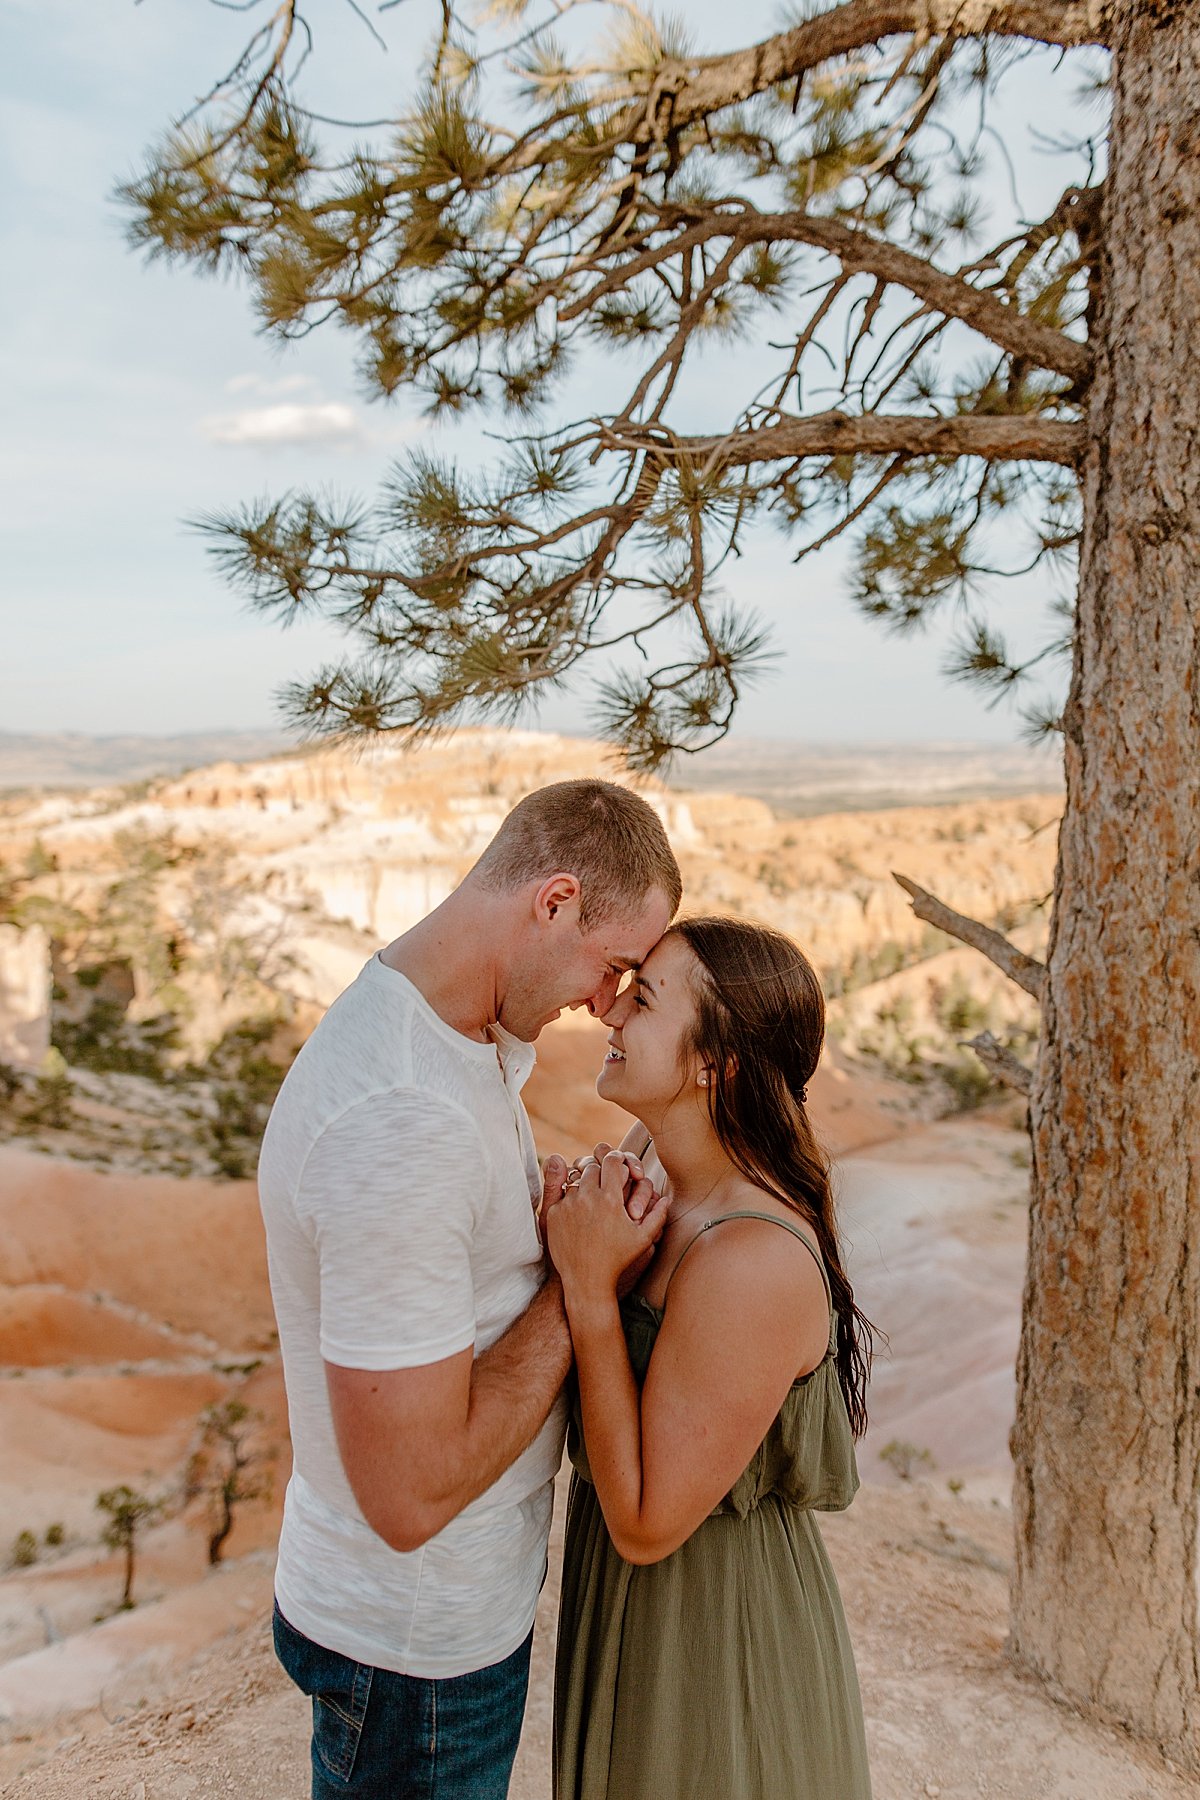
{"x":771,"y":1219}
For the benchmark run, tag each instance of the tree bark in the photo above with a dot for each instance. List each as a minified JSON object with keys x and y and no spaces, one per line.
{"x":127,"y":1590}
{"x":1107,"y":1439}
{"x":216,"y":1542}
{"x":1000,"y":1062}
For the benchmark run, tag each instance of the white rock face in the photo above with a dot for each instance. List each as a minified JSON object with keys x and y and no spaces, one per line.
{"x":319,"y":858}
{"x":24,"y":996}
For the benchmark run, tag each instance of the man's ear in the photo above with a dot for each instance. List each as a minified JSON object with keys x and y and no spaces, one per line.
{"x":555,"y":892}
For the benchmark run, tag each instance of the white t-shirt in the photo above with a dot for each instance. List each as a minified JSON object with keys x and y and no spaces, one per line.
{"x":397,"y":1181}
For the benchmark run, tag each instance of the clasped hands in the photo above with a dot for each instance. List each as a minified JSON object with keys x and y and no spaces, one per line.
{"x":600,"y":1230}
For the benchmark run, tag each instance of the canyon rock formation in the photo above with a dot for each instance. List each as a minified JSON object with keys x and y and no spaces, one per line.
{"x":24,"y":996}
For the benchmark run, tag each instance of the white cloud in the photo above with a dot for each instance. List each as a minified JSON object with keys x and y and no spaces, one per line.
{"x":321,"y":422}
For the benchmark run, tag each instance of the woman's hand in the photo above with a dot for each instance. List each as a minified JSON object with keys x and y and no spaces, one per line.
{"x":591,"y":1233}
{"x":558,"y":1179}
{"x":638,"y":1189}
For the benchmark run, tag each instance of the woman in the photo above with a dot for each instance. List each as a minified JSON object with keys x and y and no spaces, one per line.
{"x":702,"y":1648}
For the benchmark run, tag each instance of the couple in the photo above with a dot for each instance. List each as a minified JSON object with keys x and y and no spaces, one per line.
{"x":427,"y":1340}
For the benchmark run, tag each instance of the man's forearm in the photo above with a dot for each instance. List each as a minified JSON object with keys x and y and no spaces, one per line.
{"x":514,"y":1384}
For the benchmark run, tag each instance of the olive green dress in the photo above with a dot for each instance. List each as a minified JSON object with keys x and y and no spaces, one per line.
{"x":723,"y":1672}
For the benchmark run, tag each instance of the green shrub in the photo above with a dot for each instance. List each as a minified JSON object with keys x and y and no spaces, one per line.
{"x":968,"y":1081}
{"x":905,"y":1458}
{"x":106,"y":1042}
{"x":50,"y":1106}
{"x":40,"y":861}
{"x":58,"y":917}
{"x":892,"y":1043}
{"x":24,"y":1550}
{"x":247,"y":1083}
{"x":897,"y":1011}
{"x":961,"y":1012}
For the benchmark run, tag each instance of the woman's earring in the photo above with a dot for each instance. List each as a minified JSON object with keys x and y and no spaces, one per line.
{"x":703,"y":1080}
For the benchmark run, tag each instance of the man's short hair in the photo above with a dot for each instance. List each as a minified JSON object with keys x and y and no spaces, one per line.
{"x":605,"y":835}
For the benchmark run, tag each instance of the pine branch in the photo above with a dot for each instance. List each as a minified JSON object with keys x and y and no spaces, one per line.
{"x":894,"y":469}
{"x":859,"y":24}
{"x":286,"y":17}
{"x":994,"y":437}
{"x":463,"y":591}
{"x":859,"y":252}
{"x":1026,"y":971}
{"x":705,"y":84}
{"x":688,"y":90}
{"x":1000,"y":1061}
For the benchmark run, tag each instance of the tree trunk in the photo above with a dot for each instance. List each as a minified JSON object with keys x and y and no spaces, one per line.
{"x":1107,"y":1440}
{"x":224,"y":1526}
{"x":127,"y":1591}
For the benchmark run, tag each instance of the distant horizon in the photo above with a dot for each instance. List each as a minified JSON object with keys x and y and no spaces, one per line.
{"x":793,"y":776}
{"x":1011,"y":740}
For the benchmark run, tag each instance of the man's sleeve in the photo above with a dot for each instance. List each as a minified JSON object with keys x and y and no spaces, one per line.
{"x":391,"y":1191}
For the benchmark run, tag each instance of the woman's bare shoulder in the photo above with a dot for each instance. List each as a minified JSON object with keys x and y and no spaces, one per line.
{"x":753,"y":1281}
{"x":760,"y":1242}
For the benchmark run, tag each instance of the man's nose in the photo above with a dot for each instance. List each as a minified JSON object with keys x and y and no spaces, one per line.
{"x":617,"y":1010}
{"x":602,"y":1000}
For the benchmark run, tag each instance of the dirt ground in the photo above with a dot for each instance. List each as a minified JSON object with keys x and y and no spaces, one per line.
{"x":924,"y":1580}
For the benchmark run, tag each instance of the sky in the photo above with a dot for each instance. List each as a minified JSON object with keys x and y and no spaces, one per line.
{"x":138,"y":396}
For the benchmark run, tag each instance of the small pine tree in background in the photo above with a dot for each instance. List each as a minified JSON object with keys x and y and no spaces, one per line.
{"x":226,"y":1469}
{"x":128,"y":1514}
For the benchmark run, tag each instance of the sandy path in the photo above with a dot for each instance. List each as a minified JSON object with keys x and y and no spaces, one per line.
{"x":935,"y":1225}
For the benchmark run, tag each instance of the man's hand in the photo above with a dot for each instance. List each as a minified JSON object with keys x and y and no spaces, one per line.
{"x":554,"y":1186}
{"x":593,"y":1238}
{"x":558,"y":1181}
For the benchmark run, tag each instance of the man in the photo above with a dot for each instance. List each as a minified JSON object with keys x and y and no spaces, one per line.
{"x":423,"y":1348}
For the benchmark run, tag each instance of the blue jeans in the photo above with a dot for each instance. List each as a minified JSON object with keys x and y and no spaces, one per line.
{"x":382,"y":1736}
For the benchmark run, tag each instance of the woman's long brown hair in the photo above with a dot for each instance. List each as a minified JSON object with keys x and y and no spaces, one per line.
{"x":760,"y":1023}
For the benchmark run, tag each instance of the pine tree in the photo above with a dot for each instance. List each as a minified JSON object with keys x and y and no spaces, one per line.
{"x":225,"y":1468}
{"x":128,"y":1513}
{"x":1027,"y":402}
